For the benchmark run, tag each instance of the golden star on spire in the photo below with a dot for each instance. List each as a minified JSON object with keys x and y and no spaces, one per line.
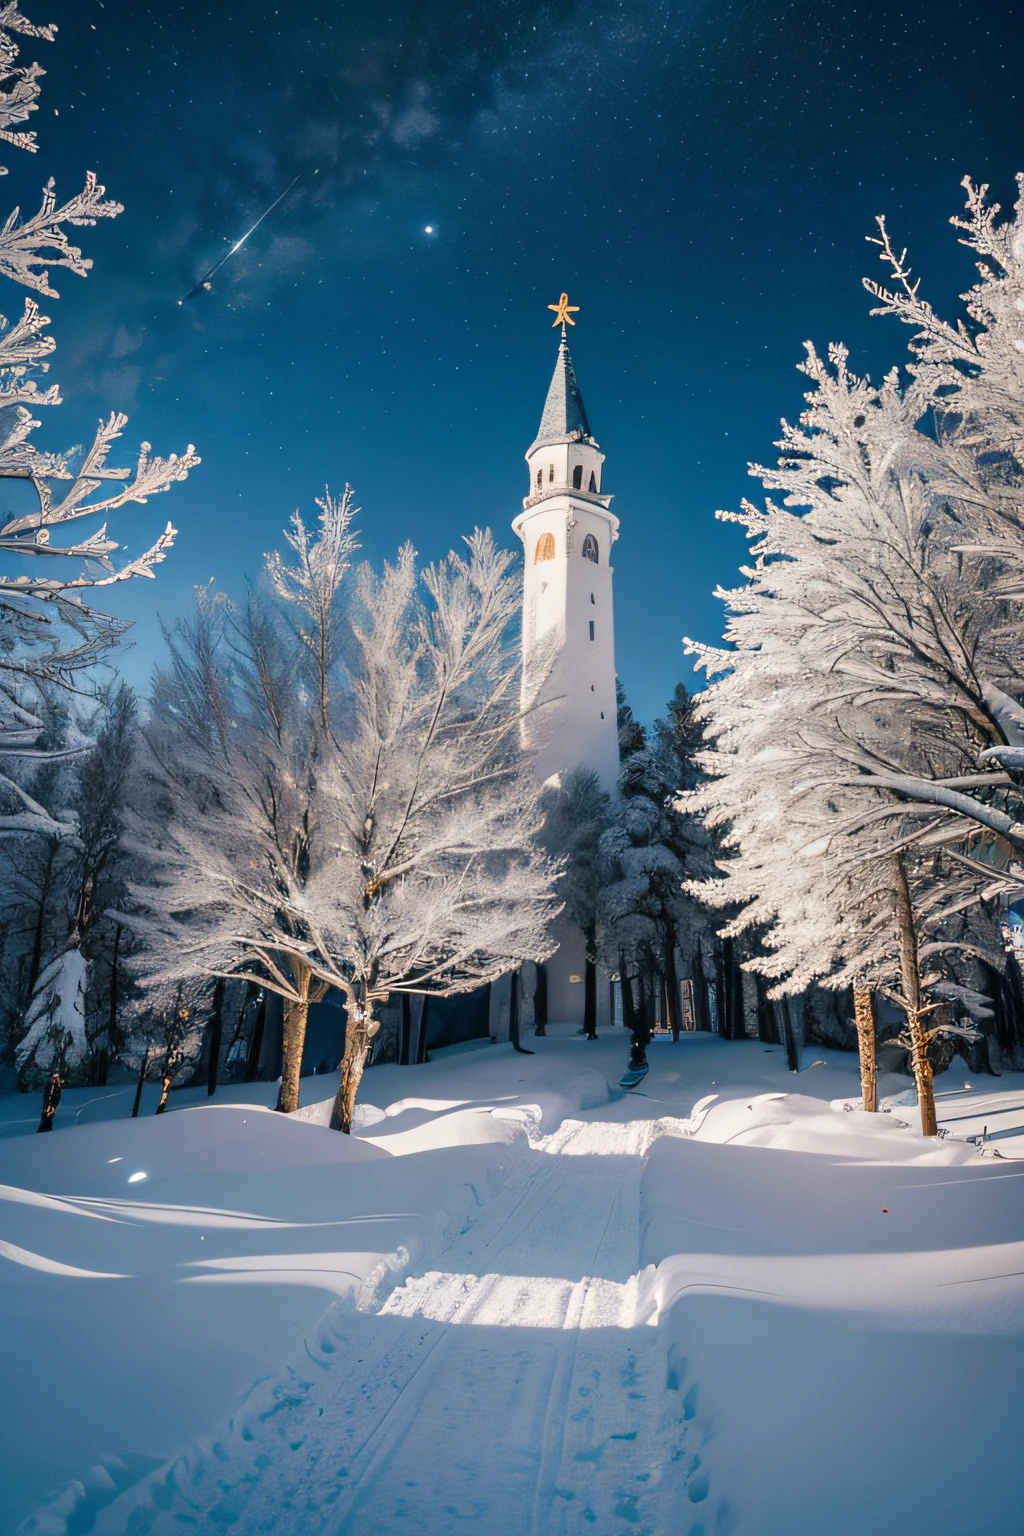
{"x":564,"y":312}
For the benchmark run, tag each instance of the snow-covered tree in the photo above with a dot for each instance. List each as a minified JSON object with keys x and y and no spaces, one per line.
{"x":866,"y":717}
{"x":577,"y":816}
{"x":70,"y":952}
{"x":166,"y":1036}
{"x":647,"y":918}
{"x":55,"y":1020}
{"x":377,"y":832}
{"x":51,"y":635}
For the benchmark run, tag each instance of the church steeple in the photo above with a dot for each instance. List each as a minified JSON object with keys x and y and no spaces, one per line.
{"x":564,"y":419}
{"x":568,"y":683}
{"x":565,"y":454}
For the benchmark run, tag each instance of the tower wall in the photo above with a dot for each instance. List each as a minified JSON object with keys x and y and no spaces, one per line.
{"x":569,"y":637}
{"x":568,"y":633}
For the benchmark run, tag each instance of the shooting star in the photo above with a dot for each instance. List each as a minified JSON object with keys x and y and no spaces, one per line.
{"x":204,"y":284}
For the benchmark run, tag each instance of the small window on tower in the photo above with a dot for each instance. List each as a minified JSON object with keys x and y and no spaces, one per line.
{"x":593,"y":481}
{"x":551,"y":473}
{"x":545,"y":549}
{"x":591,"y":629}
{"x":590,"y":552}
{"x":540,"y":478}
{"x":577,"y":477}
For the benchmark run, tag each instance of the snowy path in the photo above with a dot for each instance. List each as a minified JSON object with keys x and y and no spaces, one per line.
{"x":519,"y":1391}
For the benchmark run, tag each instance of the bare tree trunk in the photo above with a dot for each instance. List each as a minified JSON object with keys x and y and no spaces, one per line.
{"x":787,"y":1038}
{"x":540,"y":1002}
{"x":216,"y":1031}
{"x":252,"y":1060}
{"x":114,"y":1037}
{"x":406,"y":1031}
{"x":912,"y":1002}
{"x":296,"y":1015}
{"x":360,"y":1028}
{"x":673,"y":1007}
{"x":51,"y":1098}
{"x":421,"y":1043}
{"x":922,"y":1075}
{"x":35,"y":964}
{"x":628,"y":1003}
{"x":864,"y":1018}
{"x":165,"y":1088}
{"x":723,"y":961}
{"x":590,"y":985}
{"x":138,"y":1085}
{"x":700,"y":991}
{"x":513,"y":1018}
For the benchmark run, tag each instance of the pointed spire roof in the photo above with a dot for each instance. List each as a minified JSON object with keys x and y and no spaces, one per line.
{"x":565,"y":418}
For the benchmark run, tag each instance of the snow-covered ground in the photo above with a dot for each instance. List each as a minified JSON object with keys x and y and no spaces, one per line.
{"x":519,"y":1302}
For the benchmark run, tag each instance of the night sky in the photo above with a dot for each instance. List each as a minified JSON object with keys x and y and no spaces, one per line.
{"x":700,"y":177}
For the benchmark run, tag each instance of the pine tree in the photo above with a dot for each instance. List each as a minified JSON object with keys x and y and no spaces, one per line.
{"x":576,"y":817}
{"x":647,"y":917}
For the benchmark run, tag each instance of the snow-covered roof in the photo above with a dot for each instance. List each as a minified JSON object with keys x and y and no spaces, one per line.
{"x":564,"y":419}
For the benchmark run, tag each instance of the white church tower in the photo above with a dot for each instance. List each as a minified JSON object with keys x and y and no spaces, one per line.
{"x":567,"y":528}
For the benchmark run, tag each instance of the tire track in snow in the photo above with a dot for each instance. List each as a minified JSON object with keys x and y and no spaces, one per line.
{"x":517,"y":1391}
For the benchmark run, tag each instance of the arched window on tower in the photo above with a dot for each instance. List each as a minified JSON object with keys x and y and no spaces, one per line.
{"x":551,"y":472}
{"x":545,"y":548}
{"x":590,"y":551}
{"x":577,"y":477}
{"x":593,"y":482}
{"x":540,"y":479}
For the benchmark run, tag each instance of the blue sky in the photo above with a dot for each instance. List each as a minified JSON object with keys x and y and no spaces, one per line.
{"x":700,"y":177}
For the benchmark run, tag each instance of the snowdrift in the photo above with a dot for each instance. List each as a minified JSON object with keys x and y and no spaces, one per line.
{"x":839,"y":1305}
{"x":844,"y":1302}
{"x":152,"y":1270}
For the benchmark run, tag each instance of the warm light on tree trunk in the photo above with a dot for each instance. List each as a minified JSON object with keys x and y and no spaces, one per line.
{"x":296,"y":1015}
{"x":910,"y":977}
{"x":360,"y":1028}
{"x":922,"y":1068}
{"x":864,"y":1018}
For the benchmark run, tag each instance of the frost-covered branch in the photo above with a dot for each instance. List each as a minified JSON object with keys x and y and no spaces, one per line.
{"x":50,"y":638}
{"x":19,"y":83}
{"x":374,"y":832}
{"x":29,"y":247}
